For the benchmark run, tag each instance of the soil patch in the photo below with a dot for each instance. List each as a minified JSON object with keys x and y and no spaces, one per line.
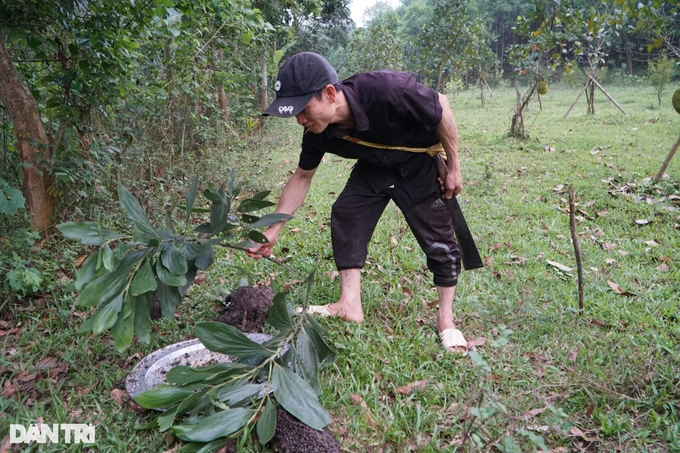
{"x":247,"y":308}
{"x":293,"y":436}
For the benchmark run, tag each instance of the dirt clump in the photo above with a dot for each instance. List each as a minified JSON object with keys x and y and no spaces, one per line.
{"x":293,"y":436}
{"x":247,"y":308}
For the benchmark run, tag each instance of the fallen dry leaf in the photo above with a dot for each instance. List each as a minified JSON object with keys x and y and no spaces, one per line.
{"x":433,"y":304}
{"x":560,"y":266}
{"x":663,"y":267}
{"x":474,"y":342}
{"x":618,"y":290}
{"x":412,"y":387}
{"x":642,"y":221}
{"x":287,"y":285}
{"x":597,"y":322}
{"x":408,"y":291}
{"x":609,"y":260}
{"x":8,"y":332}
{"x":572,"y":355}
{"x":533,"y":412}
{"x":359,"y":401}
{"x":119,"y":395}
{"x":333,"y":275}
{"x":652,"y":243}
{"x":394,"y":241}
{"x":488,"y":261}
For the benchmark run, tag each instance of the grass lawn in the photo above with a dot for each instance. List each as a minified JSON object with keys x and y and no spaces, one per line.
{"x":546,"y":375}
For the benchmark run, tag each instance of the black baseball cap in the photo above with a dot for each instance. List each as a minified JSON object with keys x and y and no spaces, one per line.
{"x":299,"y":78}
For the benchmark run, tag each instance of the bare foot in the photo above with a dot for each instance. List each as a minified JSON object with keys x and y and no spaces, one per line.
{"x":347,"y":311}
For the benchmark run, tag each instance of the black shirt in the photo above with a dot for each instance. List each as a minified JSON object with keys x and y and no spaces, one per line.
{"x":389,"y":108}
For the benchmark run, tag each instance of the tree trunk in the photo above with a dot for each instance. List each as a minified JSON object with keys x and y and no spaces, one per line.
{"x":28,"y":129}
{"x":224,"y":104}
{"x":265,"y":100}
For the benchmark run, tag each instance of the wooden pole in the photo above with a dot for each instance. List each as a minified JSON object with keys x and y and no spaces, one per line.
{"x":667,"y":161}
{"x":490,"y":91}
{"x":577,"y":98}
{"x":597,"y":84}
{"x":577,"y":248}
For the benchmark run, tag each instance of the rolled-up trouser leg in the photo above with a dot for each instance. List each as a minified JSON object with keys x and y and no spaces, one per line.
{"x":353,"y":218}
{"x":430,"y":221}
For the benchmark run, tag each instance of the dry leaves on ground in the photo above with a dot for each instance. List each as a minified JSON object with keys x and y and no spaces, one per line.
{"x":412,"y":387}
{"x":359,"y":401}
{"x":617,"y":289}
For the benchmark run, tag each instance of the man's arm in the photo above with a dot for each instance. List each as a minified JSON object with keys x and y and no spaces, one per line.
{"x":448,"y":134}
{"x":292,"y":197}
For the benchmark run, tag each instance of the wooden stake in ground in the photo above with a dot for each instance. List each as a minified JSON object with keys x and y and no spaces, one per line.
{"x":666,"y":162}
{"x":577,"y":248}
{"x":592,"y":83}
{"x":490,"y":91}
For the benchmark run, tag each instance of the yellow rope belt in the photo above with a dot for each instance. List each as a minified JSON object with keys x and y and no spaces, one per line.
{"x":432,"y":150}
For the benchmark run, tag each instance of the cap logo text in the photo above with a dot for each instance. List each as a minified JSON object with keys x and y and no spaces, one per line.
{"x":286,"y":109}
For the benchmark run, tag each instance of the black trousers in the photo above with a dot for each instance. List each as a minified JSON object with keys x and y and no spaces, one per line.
{"x":356,"y":213}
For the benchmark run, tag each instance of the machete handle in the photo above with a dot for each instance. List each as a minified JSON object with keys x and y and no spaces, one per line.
{"x":441,"y":167}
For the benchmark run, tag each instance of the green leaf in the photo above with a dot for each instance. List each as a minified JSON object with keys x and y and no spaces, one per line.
{"x":206,"y":259}
{"x":278,"y":315}
{"x":251,"y":205}
{"x":191,"y":197}
{"x":237,"y":393}
{"x":135,"y":212}
{"x":167,"y":277}
{"x":104,"y":288}
{"x":295,"y":395}
{"x":174,"y":260}
{"x":316,"y":334}
{"x":169,"y":224}
{"x":225,"y":339}
{"x":141,"y":322}
{"x":161,"y":396}
{"x":270,"y":219}
{"x":11,"y":200}
{"x":166,"y":419}
{"x":144,"y":280}
{"x":88,"y":233}
{"x":266,"y":425}
{"x":258,"y":237}
{"x":192,"y":250}
{"x":182,"y":375}
{"x":88,"y":271}
{"x":307,"y":361}
{"x":124,"y":327}
{"x":107,"y":314}
{"x":217,"y":425}
{"x":201,"y":447}
{"x":218,"y":217}
{"x":107,"y":257}
{"x":247,"y":37}
{"x":261,"y":195}
{"x":170,"y":298}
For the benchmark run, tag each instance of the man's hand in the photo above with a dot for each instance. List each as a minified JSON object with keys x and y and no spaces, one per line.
{"x":260,"y":250}
{"x":452,"y":186}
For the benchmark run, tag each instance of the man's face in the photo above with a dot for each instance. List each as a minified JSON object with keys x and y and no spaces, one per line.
{"x":316,"y":115}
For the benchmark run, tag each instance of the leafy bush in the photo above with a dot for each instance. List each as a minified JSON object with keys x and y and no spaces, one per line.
{"x":660,"y":73}
{"x":128,"y":269}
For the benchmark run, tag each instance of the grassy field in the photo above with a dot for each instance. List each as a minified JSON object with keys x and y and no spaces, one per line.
{"x":546,"y":375}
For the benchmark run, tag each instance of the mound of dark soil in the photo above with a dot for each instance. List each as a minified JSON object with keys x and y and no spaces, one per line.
{"x":247,"y":308}
{"x":293,"y":436}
